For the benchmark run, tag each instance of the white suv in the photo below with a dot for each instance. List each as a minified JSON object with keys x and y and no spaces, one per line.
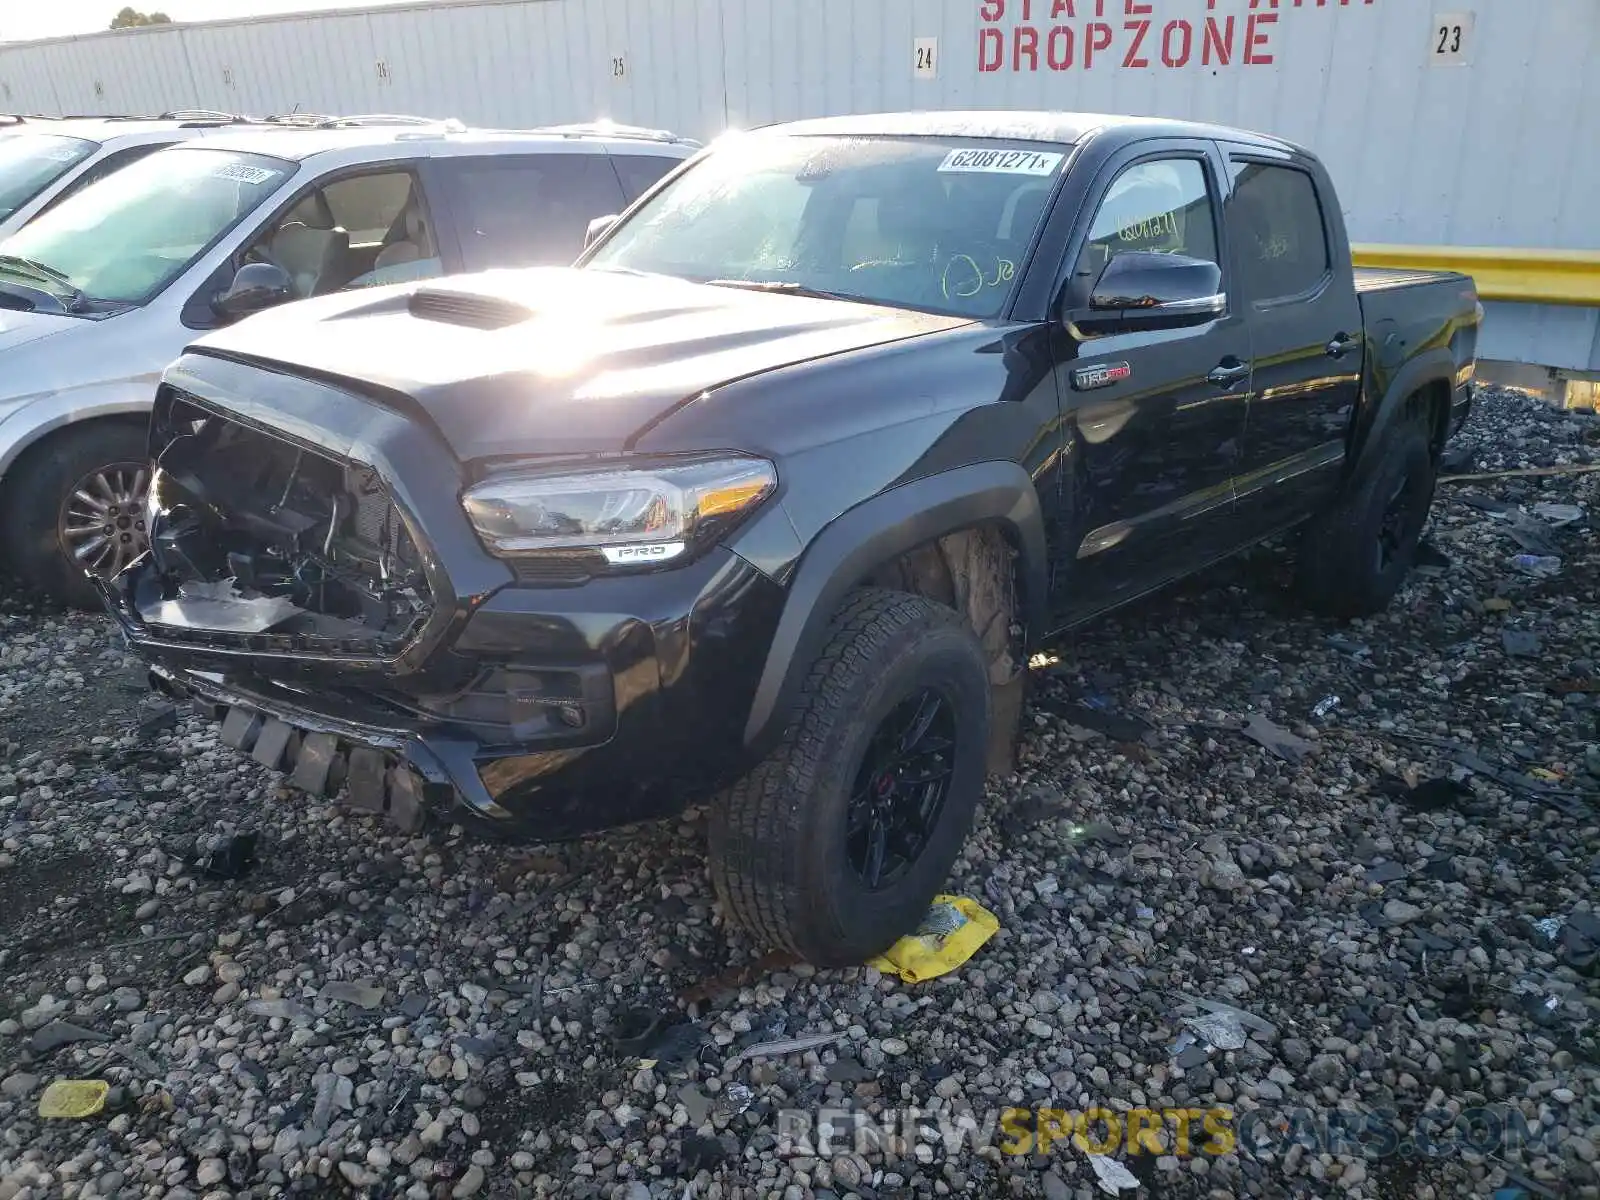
{"x":45,"y":159}
{"x":99,"y":293}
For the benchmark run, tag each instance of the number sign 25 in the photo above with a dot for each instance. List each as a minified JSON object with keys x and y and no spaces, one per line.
{"x":1450,"y":39}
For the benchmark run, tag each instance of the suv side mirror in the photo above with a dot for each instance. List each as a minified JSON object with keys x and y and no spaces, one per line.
{"x":256,"y":286}
{"x":597,"y":228}
{"x":1141,"y":289}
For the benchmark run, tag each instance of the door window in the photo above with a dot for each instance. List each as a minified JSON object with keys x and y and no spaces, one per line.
{"x":1276,"y":223}
{"x":529,"y":210}
{"x":1163,"y":205}
{"x":360,"y":231}
{"x":640,"y":172}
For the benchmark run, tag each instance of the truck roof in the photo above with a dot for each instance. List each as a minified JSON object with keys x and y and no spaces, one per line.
{"x":1058,"y":127}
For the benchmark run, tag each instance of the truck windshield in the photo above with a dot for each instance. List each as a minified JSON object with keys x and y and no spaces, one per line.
{"x":124,"y":238}
{"x":31,"y":162}
{"x":942,"y":225}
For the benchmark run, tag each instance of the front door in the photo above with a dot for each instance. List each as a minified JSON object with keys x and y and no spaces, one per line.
{"x":1305,"y":330}
{"x":1155,"y":419}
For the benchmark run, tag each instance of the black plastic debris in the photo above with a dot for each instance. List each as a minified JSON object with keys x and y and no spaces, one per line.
{"x":62,"y":1033}
{"x":1579,"y":945}
{"x":1385,"y":872}
{"x":1487,"y":504}
{"x":1533,"y":536}
{"x":1277,"y":739}
{"x":1521,"y":643}
{"x":228,"y":858}
{"x":1101,"y":719}
{"x":157,"y":717}
{"x":1430,"y":560}
{"x":700,"y":1153}
{"x":642,"y":1034}
{"x":1431,"y":795}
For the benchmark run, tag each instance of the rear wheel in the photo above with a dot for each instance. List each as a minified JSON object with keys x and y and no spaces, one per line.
{"x":76,"y":502}
{"x":834,"y":847}
{"x":1354,"y":557}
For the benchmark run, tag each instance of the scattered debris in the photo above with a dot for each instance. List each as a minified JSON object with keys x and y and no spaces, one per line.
{"x":650,"y":1038}
{"x":1549,"y":927}
{"x":286,"y":1010}
{"x":700,"y":1153}
{"x":1113,"y":1177}
{"x":736,"y":1098}
{"x":1429,"y":560}
{"x":73,"y":1099}
{"x":228,"y":857}
{"x":1520,"y":643}
{"x":1221,"y":1031}
{"x":1541,"y":565}
{"x":156,"y":717}
{"x":1385,"y":872}
{"x":784,"y":1046}
{"x":1559,"y":514}
{"x":360,"y":994}
{"x":1324,"y":706}
{"x":735,"y":978}
{"x":1275,"y":738}
{"x":1247,"y":1019}
{"x":1533,"y":536}
{"x":62,"y":1033}
{"x":1345,"y":646}
{"x":952,"y":932}
{"x":1433,"y":795}
{"x":1096,"y":715}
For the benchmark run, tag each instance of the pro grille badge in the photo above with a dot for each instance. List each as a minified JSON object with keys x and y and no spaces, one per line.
{"x":1086,"y":379}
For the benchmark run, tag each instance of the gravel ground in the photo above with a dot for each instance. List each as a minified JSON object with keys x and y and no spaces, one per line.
{"x":363,"y":1014}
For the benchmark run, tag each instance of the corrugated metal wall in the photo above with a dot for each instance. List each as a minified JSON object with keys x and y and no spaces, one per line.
{"x":1453,"y":122}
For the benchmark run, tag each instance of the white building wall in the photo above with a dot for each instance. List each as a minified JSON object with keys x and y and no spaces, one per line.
{"x":1493,"y":143}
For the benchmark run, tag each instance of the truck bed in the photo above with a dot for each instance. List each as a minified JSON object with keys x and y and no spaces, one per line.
{"x":1383,"y":279}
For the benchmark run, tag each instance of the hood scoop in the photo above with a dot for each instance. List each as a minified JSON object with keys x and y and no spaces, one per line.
{"x":465,"y":308}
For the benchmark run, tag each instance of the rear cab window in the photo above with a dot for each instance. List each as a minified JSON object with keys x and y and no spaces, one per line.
{"x":1278,"y":231}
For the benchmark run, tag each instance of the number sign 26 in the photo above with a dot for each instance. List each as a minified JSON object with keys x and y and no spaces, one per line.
{"x":1450,"y":39}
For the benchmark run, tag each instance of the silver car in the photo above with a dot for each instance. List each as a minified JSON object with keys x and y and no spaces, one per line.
{"x":101,"y":292}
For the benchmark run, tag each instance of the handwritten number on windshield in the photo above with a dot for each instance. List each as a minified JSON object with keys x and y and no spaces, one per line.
{"x":973,"y":278}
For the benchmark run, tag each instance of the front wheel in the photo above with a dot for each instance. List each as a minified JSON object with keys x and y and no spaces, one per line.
{"x":834,"y":846}
{"x":1354,"y":557}
{"x":76,"y":502}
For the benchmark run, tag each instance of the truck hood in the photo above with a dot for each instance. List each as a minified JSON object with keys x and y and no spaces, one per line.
{"x":554,"y":360}
{"x":18,"y":328}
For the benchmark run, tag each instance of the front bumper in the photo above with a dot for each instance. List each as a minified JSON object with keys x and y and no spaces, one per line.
{"x":577,"y":712}
{"x":536,"y":710}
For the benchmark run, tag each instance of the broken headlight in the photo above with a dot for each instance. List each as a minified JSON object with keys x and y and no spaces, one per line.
{"x":632,"y":517}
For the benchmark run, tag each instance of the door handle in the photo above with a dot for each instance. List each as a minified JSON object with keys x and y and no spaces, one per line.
{"x":1341,"y":342}
{"x":1229,"y":372}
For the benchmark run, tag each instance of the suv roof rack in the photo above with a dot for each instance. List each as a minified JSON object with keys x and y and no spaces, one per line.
{"x":612,"y":129}
{"x":355,"y":120}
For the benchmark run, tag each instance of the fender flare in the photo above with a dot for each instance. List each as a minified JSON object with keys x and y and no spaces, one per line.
{"x":36,"y":420}
{"x":851,"y":546}
{"x":1427,"y":368}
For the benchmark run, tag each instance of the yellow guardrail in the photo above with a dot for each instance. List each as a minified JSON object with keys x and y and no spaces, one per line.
{"x":1525,"y":276}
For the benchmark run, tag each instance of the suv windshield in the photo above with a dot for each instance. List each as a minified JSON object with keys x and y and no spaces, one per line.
{"x":928,"y":223}
{"x":31,"y":162}
{"x":126,"y":237}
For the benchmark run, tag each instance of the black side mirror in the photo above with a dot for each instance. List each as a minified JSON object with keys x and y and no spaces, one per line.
{"x":1141,"y":289}
{"x":256,"y":286}
{"x":597,"y":228}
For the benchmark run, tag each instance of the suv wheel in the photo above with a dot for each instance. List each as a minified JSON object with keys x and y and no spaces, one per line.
{"x":1354,"y":557}
{"x":834,"y":847}
{"x":76,"y":502}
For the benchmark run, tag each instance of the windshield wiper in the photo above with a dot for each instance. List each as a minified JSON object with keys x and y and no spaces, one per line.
{"x":46,"y":274}
{"x":787,"y":287}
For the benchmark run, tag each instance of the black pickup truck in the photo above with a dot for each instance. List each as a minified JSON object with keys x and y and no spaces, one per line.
{"x":772,"y":496}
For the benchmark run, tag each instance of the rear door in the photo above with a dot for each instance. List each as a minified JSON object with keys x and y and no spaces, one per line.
{"x":1295,"y":286}
{"x":526,"y":210}
{"x":1155,"y":419}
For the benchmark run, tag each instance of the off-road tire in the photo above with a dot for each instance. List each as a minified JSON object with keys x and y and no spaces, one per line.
{"x":779,"y":858}
{"x":1340,"y":571}
{"x":34,"y":490}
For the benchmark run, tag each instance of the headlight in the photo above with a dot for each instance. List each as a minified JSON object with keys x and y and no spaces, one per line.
{"x":632,"y":517}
